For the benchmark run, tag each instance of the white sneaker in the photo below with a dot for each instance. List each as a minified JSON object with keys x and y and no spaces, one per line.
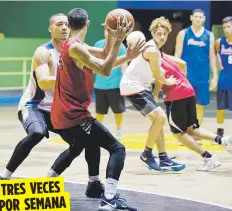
{"x":118,"y":135}
{"x":227,"y":143}
{"x":209,"y":164}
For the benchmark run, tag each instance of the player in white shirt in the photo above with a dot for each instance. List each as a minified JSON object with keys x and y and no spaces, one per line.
{"x":135,"y":85}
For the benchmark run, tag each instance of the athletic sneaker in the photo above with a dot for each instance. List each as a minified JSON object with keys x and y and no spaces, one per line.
{"x":3,"y":178}
{"x":209,"y":164}
{"x":227,"y":143}
{"x":114,"y":204}
{"x":220,"y":132}
{"x":150,"y":162}
{"x":169,"y":164}
{"x":95,"y":189}
{"x":118,"y":135}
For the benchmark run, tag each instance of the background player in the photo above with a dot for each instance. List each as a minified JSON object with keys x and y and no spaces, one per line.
{"x":70,"y":113}
{"x":135,"y":85}
{"x":195,"y":45}
{"x":224,"y":92}
{"x":180,"y":103}
{"x":108,"y":93}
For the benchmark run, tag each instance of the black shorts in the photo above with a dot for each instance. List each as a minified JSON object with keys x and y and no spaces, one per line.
{"x":38,"y":117}
{"x":143,"y":102}
{"x":182,"y":114}
{"x":109,"y":98}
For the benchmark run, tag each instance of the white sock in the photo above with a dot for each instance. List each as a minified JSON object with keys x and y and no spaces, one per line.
{"x":52,"y":173}
{"x":7,"y":174}
{"x":219,"y":125}
{"x":94,"y":178}
{"x":110,"y":188}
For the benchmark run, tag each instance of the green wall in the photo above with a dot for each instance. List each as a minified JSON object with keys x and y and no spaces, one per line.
{"x":16,"y":47}
{"x":30,"y":19}
{"x":25,"y":25}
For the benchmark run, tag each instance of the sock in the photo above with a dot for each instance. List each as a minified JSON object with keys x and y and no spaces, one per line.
{"x":7,"y":174}
{"x":219,"y":125}
{"x":147,"y":152}
{"x":110,"y":188}
{"x":206,"y":154}
{"x":163,"y":155}
{"x":52,"y":173}
{"x":218,"y":139}
{"x":94,"y":178}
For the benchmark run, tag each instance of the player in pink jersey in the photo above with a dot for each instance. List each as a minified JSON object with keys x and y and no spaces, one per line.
{"x":73,"y":95}
{"x":180,"y":103}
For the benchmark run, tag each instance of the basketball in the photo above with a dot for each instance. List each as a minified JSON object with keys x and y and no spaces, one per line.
{"x":111,"y":18}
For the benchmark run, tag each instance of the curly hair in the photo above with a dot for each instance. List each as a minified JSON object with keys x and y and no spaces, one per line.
{"x":160,"y":22}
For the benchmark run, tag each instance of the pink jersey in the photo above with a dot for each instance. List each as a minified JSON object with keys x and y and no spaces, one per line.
{"x":73,"y":91}
{"x":183,"y":89}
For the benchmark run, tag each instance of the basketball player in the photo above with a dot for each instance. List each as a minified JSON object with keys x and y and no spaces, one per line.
{"x":224,"y":92}
{"x":180,"y":103}
{"x":73,"y":93}
{"x":135,"y":85}
{"x":195,"y":45}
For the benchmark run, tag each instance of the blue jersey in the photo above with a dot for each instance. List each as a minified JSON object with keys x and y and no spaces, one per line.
{"x":113,"y":81}
{"x":225,"y":76}
{"x":196,"y":54}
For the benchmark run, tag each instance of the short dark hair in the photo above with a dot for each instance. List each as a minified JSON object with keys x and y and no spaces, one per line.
{"x":58,"y":14}
{"x":227,"y":19}
{"x":198,"y":10}
{"x":77,"y":18}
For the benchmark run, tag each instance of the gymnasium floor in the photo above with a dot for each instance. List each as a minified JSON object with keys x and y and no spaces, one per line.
{"x":146,"y":190}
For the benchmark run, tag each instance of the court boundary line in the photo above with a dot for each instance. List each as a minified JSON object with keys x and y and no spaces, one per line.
{"x":146,"y":192}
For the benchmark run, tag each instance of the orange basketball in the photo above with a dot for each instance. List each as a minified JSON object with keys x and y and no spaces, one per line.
{"x":111,"y":18}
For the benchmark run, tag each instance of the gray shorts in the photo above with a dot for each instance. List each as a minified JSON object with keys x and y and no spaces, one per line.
{"x":36,"y":118}
{"x":143,"y":102}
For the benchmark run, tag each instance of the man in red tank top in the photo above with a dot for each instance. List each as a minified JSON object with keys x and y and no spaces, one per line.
{"x":180,"y":103}
{"x":73,"y":91}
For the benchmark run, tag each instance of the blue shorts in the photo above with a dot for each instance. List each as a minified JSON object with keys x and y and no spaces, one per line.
{"x":224,"y":99}
{"x":202,"y":94}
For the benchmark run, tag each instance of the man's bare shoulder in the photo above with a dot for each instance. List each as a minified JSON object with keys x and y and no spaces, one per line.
{"x":41,"y":55}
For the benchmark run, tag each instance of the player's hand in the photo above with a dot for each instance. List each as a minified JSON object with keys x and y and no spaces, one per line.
{"x":171,"y":81}
{"x":213,"y":84}
{"x":123,"y":29}
{"x":134,"y":51}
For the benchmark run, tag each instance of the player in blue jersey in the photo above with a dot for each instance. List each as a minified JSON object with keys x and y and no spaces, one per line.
{"x":223,"y":47}
{"x":195,"y":45}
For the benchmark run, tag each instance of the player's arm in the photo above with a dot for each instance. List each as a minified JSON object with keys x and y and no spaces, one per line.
{"x":179,"y":44}
{"x":217,"y":46}
{"x":103,"y":67}
{"x":41,"y":60}
{"x":156,"y":91}
{"x":213,"y":62}
{"x":124,"y":66}
{"x":101,"y":53}
{"x":179,"y":62}
{"x":131,"y":53}
{"x":153,"y":55}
